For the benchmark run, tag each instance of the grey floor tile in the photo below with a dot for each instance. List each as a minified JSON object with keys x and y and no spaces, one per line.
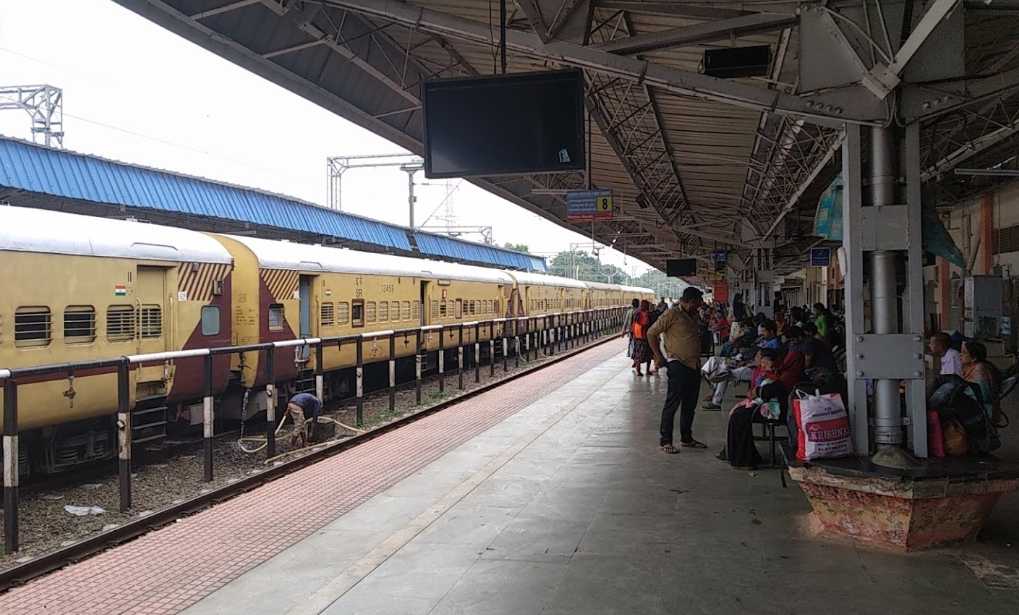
{"x":380,"y":604}
{"x":503,"y":587}
{"x":537,"y":539}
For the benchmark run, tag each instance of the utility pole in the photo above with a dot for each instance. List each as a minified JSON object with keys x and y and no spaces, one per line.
{"x":44,"y":104}
{"x":336,"y":166}
{"x":410,"y":170}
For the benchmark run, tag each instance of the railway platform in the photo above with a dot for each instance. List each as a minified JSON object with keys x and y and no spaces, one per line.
{"x":545,"y":495}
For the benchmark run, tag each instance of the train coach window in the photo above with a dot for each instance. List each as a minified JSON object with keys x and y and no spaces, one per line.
{"x":276,"y":318}
{"x":383,"y":311}
{"x":152,"y":321}
{"x":120,"y":323}
{"x":416,"y":307}
{"x":327,"y":314}
{"x":79,"y":324}
{"x":442,"y":309}
{"x":342,"y":312}
{"x":369,"y":311}
{"x":459,"y":308}
{"x":32,"y":326}
{"x":405,"y":310}
{"x":435,"y":309}
{"x":210,"y":320}
{"x":357,"y":313}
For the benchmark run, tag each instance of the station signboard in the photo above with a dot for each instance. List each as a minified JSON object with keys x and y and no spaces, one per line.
{"x":588,"y":205}
{"x":720,"y":292}
{"x":820,"y":257}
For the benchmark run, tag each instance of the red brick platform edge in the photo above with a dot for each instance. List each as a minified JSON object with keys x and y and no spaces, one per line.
{"x":169,"y":569}
{"x":899,"y":515}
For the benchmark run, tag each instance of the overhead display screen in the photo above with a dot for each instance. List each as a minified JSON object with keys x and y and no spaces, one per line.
{"x":676,"y":267}
{"x":520,"y":123}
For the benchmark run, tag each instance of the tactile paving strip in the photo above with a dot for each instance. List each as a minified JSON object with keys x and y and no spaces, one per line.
{"x":169,"y":569}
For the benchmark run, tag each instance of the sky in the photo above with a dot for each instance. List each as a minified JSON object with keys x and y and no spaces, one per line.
{"x":137,"y":93}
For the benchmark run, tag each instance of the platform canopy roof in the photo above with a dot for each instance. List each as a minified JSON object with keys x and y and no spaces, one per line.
{"x":43,"y":177}
{"x":696,"y":163}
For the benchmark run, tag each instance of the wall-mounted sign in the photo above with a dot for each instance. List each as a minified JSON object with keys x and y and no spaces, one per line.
{"x":820,"y":257}
{"x":720,"y":292}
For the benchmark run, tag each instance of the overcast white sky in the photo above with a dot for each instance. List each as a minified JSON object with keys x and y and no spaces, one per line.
{"x":138,"y":93}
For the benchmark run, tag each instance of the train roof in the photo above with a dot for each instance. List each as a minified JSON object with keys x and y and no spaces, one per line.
{"x":637,"y":289}
{"x":24,"y":229}
{"x":540,"y":279}
{"x":293,"y":256}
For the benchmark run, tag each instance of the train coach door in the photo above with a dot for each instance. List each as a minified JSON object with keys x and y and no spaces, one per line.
{"x":305,"y":299}
{"x":425,"y":306}
{"x":150,"y":307}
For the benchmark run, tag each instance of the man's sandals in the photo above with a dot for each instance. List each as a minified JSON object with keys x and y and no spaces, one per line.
{"x":672,"y":450}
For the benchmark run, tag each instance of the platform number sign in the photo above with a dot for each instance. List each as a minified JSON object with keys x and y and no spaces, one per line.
{"x":588,"y":205}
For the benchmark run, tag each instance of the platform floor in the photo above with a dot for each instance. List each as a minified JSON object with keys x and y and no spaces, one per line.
{"x":548,"y":495}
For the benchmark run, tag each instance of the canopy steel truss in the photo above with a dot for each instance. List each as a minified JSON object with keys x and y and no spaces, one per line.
{"x":687,"y":180}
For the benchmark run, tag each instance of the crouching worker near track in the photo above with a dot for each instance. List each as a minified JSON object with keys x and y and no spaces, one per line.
{"x":304,"y":409}
{"x":677,"y":333}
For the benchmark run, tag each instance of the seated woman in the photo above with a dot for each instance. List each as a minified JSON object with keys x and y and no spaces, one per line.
{"x":765,"y":386}
{"x":978,"y":370}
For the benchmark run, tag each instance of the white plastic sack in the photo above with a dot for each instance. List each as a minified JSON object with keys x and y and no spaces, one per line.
{"x":83,"y":511}
{"x":822,"y":427}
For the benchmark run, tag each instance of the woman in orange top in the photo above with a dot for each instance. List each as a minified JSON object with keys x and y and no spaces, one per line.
{"x":641,"y":352}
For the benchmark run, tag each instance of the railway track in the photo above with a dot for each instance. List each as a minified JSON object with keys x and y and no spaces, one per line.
{"x":91,"y":545}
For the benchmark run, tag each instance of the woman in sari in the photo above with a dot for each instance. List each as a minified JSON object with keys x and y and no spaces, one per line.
{"x":640,"y":350}
{"x":981,"y":372}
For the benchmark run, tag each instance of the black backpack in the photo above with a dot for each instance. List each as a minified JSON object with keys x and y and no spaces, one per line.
{"x":955,"y":398}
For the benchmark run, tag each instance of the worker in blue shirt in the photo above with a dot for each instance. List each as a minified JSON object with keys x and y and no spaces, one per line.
{"x":304,"y":409}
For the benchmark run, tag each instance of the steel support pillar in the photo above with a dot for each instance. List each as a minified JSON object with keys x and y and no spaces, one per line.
{"x":882,"y":230}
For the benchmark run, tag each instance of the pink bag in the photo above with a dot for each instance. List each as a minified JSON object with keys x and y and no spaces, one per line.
{"x":822,"y":427}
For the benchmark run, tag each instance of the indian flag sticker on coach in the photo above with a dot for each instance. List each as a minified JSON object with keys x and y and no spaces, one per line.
{"x":119,"y":290}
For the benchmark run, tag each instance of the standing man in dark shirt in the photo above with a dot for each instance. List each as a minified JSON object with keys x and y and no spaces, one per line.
{"x":739,"y":310}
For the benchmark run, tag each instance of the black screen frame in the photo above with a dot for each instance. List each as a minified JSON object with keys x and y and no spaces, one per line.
{"x":669,"y":266}
{"x":580,"y":161}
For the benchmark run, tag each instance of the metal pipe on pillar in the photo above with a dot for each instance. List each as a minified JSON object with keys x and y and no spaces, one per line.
{"x":884,"y":301}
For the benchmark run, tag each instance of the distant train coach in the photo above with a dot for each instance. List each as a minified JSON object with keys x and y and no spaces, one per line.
{"x":79,"y":288}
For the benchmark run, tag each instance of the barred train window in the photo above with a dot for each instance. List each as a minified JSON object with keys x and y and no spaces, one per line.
{"x":32,"y":326}
{"x":210,"y":320}
{"x":342,"y":312}
{"x":383,"y":311}
{"x":394,"y":310}
{"x":357,"y":313}
{"x":79,"y":324}
{"x":120,"y":323}
{"x":369,"y":311}
{"x":472,"y":307}
{"x":442,"y":309}
{"x":416,"y":307}
{"x":327,"y":314}
{"x":152,"y":321}
{"x":276,"y":317}
{"x":435,"y":309}
{"x":405,"y":311}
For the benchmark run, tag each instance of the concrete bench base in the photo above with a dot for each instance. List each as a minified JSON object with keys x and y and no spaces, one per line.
{"x":900,"y":514}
